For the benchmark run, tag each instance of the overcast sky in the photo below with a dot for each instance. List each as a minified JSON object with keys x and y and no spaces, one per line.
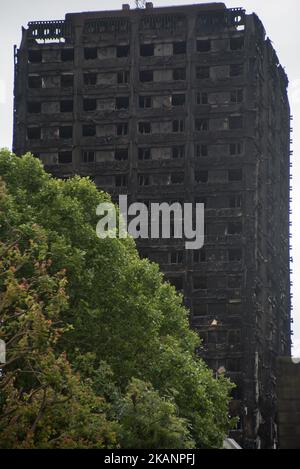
{"x":281,"y":21}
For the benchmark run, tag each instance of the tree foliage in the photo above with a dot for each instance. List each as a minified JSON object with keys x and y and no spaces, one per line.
{"x":122,"y":331}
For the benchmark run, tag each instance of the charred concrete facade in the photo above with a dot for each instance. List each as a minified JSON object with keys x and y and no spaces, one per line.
{"x":183,"y":104}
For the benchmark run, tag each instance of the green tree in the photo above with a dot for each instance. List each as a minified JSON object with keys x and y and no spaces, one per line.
{"x":43,"y":402}
{"x":150,"y":421}
{"x":119,"y":307}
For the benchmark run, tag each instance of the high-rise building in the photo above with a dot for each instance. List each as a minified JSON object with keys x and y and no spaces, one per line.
{"x":184,"y":104}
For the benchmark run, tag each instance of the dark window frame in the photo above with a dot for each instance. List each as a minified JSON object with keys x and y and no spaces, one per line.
{"x":67,"y":55}
{"x":89,"y":130}
{"x":90,"y":53}
{"x":65,"y":157}
{"x":203,"y":45}
{"x":179,"y":47}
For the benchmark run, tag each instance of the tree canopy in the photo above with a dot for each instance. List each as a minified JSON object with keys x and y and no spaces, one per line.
{"x":99,"y":348}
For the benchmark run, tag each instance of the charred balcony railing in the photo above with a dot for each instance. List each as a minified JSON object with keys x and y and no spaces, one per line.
{"x":215,"y":20}
{"x":107,"y":26}
{"x":45,"y":30}
{"x":170,"y":23}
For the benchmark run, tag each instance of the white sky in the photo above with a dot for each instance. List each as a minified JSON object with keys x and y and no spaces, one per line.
{"x":281,"y":21}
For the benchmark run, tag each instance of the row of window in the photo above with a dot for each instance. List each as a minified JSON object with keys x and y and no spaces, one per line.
{"x":201,"y":73}
{"x":66,"y":80}
{"x":223,"y":336}
{"x":199,"y":257}
{"x":36,"y":81}
{"x":174,"y":152}
{"x":233,"y":200}
{"x":144,"y":128}
{"x":145,"y":102}
{"x":200,"y":282}
{"x":200,"y":177}
{"x":203,"y":282}
{"x":165,"y":153}
{"x":208,"y":309}
{"x":121,"y":51}
{"x":230,"y":365}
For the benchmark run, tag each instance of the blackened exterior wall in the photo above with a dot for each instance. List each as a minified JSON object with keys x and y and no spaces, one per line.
{"x":181,"y":104}
{"x":288,"y":393}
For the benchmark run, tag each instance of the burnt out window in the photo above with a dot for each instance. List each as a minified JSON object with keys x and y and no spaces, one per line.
{"x":199,"y":256}
{"x":233,"y":365}
{"x":237,"y":96}
{"x":234,"y":307}
{"x":236,"y":70}
{"x":202,"y":98}
{"x":65,"y":157}
{"x":145,"y":102}
{"x":179,"y":48}
{"x":202,"y":125}
{"x":202,"y":72}
{"x":35,"y":81}
{"x":88,"y":156}
{"x":177,"y":178}
{"x":144,"y":154}
{"x":143,"y":179}
{"x":34,"y":133}
{"x":89,"y":104}
{"x":236,"y":148}
{"x":178,"y":99}
{"x":200,"y":282}
{"x":146,"y":76}
{"x":90,"y":79}
{"x":122,"y":51}
{"x":201,"y":150}
{"x":203,"y":45}
{"x":200,"y":309}
{"x":178,"y":152}
{"x":235,"y":122}
{"x":121,"y":154}
{"x":88,"y":130}
{"x":217,"y":308}
{"x":235,"y":201}
{"x":34,"y":107}
{"x":235,"y":228}
{"x":235,"y":175}
{"x":67,"y":80}
{"x":122,"y":102}
{"x":90,"y":53}
{"x":67,"y":105}
{"x":234,"y":281}
{"x":66,"y":131}
{"x":123,"y":77}
{"x":177,"y":282}
{"x":178,"y":126}
{"x":121,"y":180}
{"x":201,"y":176}
{"x":147,"y":50}
{"x":144,"y":127}
{"x":122,"y":128}
{"x":234,"y":336}
{"x":67,"y":55}
{"x":179,"y":74}
{"x":176,"y":257}
{"x":234,"y":255}
{"x":237,"y":43}
{"x":35,"y":56}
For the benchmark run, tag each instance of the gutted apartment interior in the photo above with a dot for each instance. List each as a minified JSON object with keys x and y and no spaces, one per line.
{"x":181,"y":104}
